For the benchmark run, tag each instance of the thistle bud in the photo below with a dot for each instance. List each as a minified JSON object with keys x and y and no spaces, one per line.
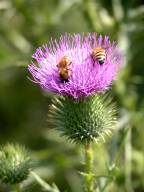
{"x":15,"y":164}
{"x":85,"y":120}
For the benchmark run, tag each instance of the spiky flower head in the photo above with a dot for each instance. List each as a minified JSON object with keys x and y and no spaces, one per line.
{"x":82,"y":73}
{"x":15,"y":163}
{"x":83,"y":121}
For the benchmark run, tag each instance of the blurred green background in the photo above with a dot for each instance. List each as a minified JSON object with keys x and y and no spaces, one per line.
{"x":27,"y":24}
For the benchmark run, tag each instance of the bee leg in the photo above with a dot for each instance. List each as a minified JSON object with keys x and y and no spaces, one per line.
{"x":93,"y":63}
{"x":64,"y":80}
{"x":70,"y":63}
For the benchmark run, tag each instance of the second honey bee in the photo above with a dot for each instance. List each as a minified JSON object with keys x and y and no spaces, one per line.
{"x":63,"y":69}
{"x":99,"y":54}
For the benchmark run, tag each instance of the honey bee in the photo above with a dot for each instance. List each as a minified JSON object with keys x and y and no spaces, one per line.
{"x":99,"y":54}
{"x":63,"y":69}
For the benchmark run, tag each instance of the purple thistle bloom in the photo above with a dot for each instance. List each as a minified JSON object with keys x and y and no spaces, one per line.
{"x":87,"y":75}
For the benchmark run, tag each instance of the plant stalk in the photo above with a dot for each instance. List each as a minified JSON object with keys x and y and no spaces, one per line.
{"x":89,"y":175}
{"x":17,"y":188}
{"x":128,"y":163}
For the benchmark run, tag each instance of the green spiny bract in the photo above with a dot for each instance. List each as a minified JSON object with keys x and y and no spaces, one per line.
{"x":15,"y":164}
{"x":85,"y":120}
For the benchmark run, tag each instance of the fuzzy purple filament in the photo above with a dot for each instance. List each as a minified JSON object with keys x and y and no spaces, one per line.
{"x":87,"y":75}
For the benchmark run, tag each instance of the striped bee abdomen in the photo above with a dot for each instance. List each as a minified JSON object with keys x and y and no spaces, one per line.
{"x":99,"y":54}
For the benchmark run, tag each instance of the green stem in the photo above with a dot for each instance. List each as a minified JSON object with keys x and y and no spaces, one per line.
{"x":17,"y":188}
{"x":45,"y":185}
{"x":128,"y":163}
{"x":89,"y":175}
{"x":91,"y":14}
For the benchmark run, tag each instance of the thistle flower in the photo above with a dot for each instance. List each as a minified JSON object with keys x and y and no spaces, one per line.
{"x":85,"y":74}
{"x":15,"y":164}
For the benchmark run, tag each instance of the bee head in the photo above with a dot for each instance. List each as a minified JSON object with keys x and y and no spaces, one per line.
{"x":101,"y":62}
